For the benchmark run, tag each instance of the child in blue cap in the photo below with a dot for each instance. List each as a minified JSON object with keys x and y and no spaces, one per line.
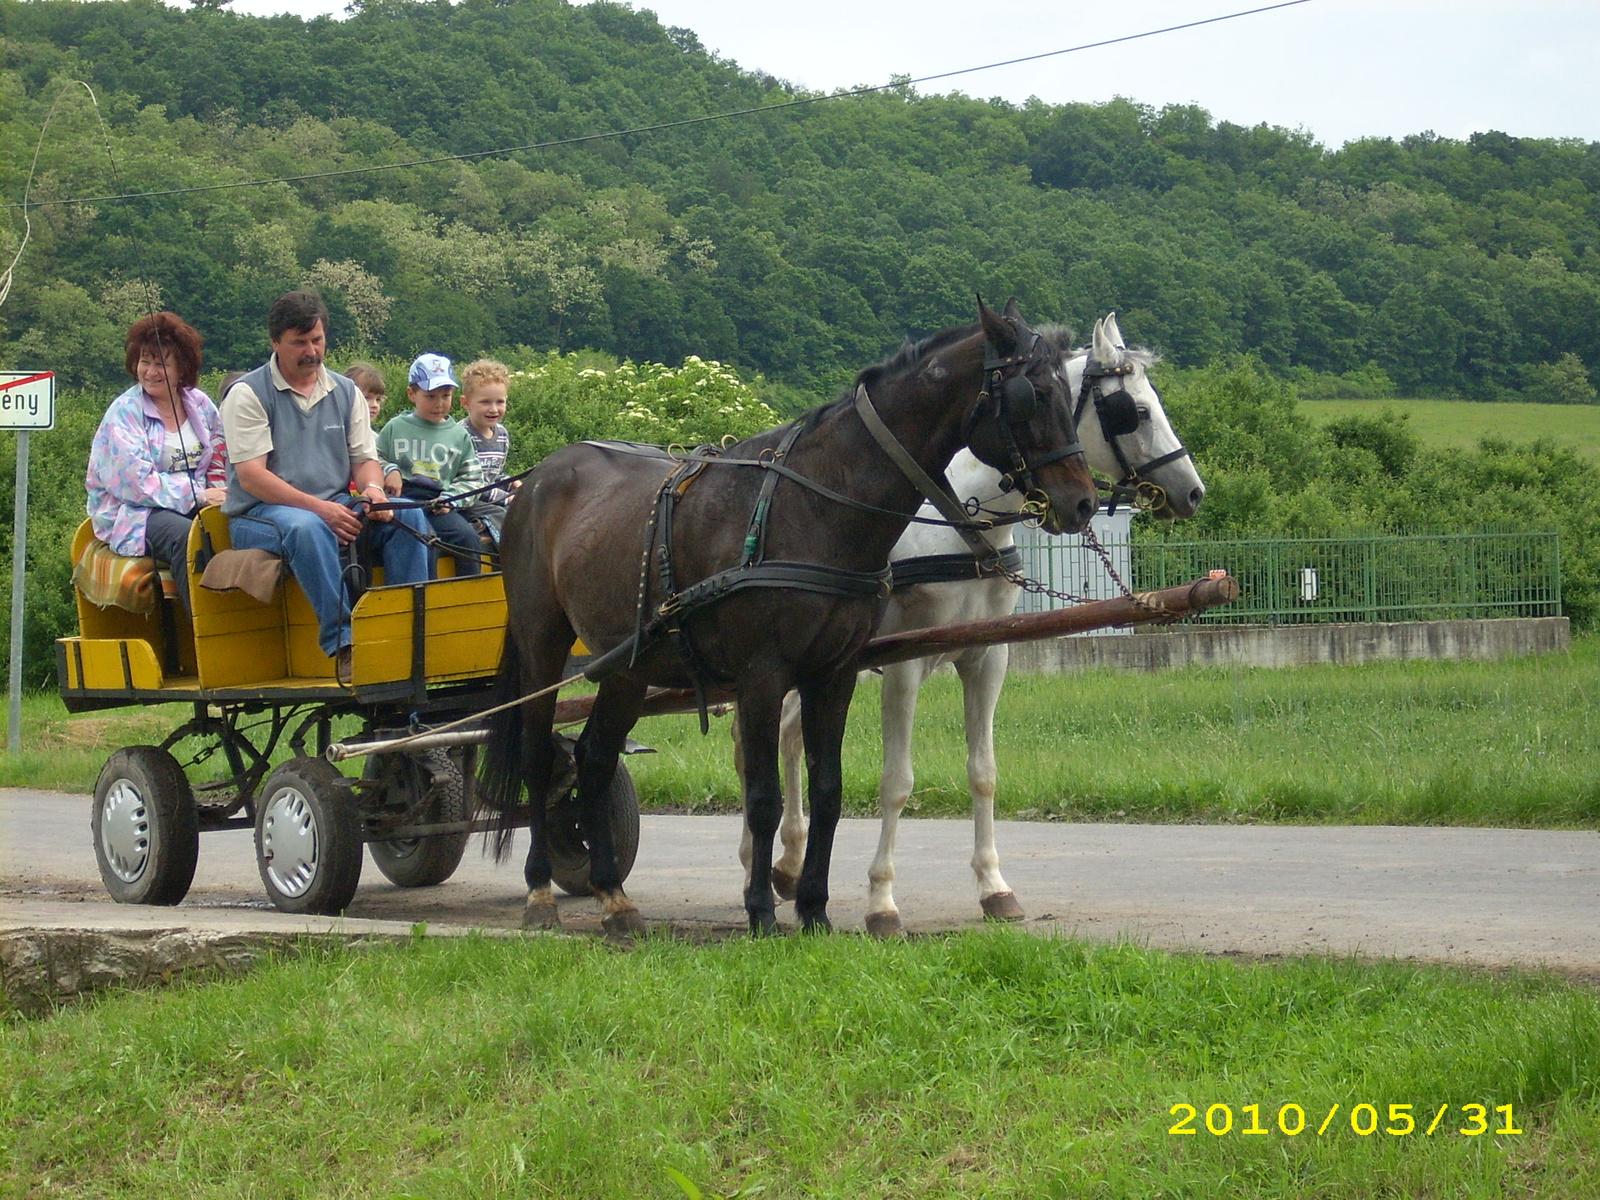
{"x":428,"y":455}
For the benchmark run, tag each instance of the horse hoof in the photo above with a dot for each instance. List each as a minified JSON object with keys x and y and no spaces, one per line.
{"x":784,"y":884}
{"x":541,"y":916}
{"x":1002,"y":906}
{"x":765,"y":925}
{"x":885,"y":925}
{"x":627,"y":923}
{"x":819,"y":924}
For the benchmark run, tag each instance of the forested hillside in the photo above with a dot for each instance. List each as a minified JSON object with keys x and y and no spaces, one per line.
{"x":796,"y":245}
{"x":800,"y":243}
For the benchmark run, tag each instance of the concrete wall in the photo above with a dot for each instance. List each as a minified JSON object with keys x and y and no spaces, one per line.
{"x":1155,"y":649}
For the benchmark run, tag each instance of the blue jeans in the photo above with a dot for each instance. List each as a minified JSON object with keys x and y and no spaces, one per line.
{"x":313,"y":555}
{"x":455,"y":530}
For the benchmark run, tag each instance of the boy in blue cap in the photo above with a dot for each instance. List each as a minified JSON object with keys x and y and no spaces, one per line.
{"x":428,"y":455}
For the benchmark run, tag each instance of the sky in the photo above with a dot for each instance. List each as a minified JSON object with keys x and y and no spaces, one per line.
{"x":1339,"y":69}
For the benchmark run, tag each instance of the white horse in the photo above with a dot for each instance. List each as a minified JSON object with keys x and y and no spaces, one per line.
{"x":1126,"y":434}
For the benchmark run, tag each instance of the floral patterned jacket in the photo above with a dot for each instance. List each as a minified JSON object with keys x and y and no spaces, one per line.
{"x":124,"y":480}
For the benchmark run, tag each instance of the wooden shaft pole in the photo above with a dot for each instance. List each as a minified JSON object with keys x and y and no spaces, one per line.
{"x":1141,"y":609}
{"x":1165,"y":605}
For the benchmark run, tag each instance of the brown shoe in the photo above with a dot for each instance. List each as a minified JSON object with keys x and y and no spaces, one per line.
{"x":343,"y":668}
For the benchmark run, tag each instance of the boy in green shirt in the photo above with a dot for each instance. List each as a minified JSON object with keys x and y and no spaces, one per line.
{"x":427,"y":455}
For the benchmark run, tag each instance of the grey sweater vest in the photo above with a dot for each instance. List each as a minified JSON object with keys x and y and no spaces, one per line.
{"x":310,"y":451}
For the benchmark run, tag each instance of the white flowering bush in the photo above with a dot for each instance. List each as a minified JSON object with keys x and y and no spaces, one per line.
{"x":560,"y":398}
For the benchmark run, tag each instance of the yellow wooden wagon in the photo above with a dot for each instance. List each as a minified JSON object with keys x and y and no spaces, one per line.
{"x":257,"y":682}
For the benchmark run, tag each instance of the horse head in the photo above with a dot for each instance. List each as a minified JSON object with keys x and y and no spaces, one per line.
{"x":1125,"y":431}
{"x":1021,"y":422}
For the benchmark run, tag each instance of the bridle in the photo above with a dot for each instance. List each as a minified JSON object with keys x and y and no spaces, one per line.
{"x":1119,"y":417}
{"x":1007,"y":389}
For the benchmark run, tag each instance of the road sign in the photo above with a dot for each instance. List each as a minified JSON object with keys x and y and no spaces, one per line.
{"x":27,"y":400}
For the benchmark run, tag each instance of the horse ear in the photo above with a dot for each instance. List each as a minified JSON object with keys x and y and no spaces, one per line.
{"x":1103,"y":349}
{"x":1013,"y":310}
{"x":996,"y":328}
{"x":1114,"y":333}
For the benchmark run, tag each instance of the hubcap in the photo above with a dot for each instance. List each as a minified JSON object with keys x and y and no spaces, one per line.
{"x":289,"y":842}
{"x":125,"y":831}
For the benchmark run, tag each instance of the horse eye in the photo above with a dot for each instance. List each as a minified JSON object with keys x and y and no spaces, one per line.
{"x":1144,"y":413}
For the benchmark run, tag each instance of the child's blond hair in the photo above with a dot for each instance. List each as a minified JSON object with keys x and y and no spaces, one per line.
{"x":484,"y":370}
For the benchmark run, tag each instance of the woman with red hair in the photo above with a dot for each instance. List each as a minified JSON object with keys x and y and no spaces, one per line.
{"x":158,"y":456}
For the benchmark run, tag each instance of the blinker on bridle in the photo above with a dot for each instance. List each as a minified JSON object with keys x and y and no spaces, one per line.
{"x":1016,"y":401}
{"x":1118,"y":414}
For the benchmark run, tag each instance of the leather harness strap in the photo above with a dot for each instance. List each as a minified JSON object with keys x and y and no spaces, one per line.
{"x":754,"y":571}
{"x":938,"y":492}
{"x":668,"y":619}
{"x":955,"y":568}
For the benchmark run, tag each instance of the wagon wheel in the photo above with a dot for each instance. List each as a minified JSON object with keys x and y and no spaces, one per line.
{"x":421,"y":862}
{"x":569,"y":857}
{"x":146,"y":828}
{"x":308,"y":838}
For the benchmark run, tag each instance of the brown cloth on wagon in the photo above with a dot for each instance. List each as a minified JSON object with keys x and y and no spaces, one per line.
{"x":252,"y":571}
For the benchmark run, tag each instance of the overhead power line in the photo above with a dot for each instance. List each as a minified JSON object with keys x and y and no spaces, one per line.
{"x":659,"y":126}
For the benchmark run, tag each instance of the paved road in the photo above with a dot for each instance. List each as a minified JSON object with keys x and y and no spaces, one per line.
{"x":1481,"y":896}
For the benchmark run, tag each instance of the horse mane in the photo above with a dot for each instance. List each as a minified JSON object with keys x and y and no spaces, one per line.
{"x":1141,"y":355}
{"x":1057,"y":339}
{"x":909,"y":356}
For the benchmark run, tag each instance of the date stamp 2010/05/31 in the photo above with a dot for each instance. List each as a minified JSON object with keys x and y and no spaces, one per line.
{"x":1363,"y":1120}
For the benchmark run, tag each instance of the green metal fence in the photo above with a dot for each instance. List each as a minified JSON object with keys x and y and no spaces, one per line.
{"x":1414,"y":578}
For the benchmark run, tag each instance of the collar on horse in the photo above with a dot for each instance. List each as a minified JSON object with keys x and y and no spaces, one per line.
{"x":1118,"y":415}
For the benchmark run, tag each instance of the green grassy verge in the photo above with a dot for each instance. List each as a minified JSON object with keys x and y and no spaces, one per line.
{"x":989,"y":1064}
{"x":1460,"y":423}
{"x":1509,"y":743}
{"x":64,"y":752}
{"x":1464,"y":743}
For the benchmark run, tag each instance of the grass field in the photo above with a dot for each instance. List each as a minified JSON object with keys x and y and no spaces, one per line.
{"x":1504,"y":743}
{"x":991,"y":1064}
{"x":1460,"y":423}
{"x":1512,"y":743}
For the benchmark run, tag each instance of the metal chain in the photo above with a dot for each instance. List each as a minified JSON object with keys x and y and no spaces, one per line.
{"x":1034,"y":587}
{"x":1105,"y":559}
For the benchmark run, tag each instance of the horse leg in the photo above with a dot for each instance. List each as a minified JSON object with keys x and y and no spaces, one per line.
{"x":759,"y":713}
{"x":983,"y":674}
{"x":901,"y":683}
{"x":746,"y":844}
{"x":539,"y":911}
{"x":824,"y":706}
{"x":792,"y":829}
{"x":616,"y":711}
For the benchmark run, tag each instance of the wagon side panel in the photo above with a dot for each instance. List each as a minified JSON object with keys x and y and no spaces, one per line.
{"x":238,"y":640}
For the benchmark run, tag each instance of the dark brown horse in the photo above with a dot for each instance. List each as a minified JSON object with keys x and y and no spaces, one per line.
{"x":571,"y":551}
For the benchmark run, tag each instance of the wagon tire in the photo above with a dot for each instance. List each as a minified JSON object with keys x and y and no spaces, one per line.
{"x":569,"y":857}
{"x":308,"y":838}
{"x":146,"y":827}
{"x":424,"y":862}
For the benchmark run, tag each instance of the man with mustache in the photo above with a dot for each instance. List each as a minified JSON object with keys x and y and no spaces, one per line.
{"x":297,"y":436}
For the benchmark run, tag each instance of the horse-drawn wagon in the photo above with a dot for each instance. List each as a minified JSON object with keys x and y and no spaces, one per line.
{"x":434,"y":662}
{"x":257,"y":684}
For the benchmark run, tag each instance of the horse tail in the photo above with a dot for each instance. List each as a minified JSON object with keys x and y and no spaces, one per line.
{"x":501,"y":778}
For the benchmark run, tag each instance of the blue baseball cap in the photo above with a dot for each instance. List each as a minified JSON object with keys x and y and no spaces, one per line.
{"x":429,"y":371}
